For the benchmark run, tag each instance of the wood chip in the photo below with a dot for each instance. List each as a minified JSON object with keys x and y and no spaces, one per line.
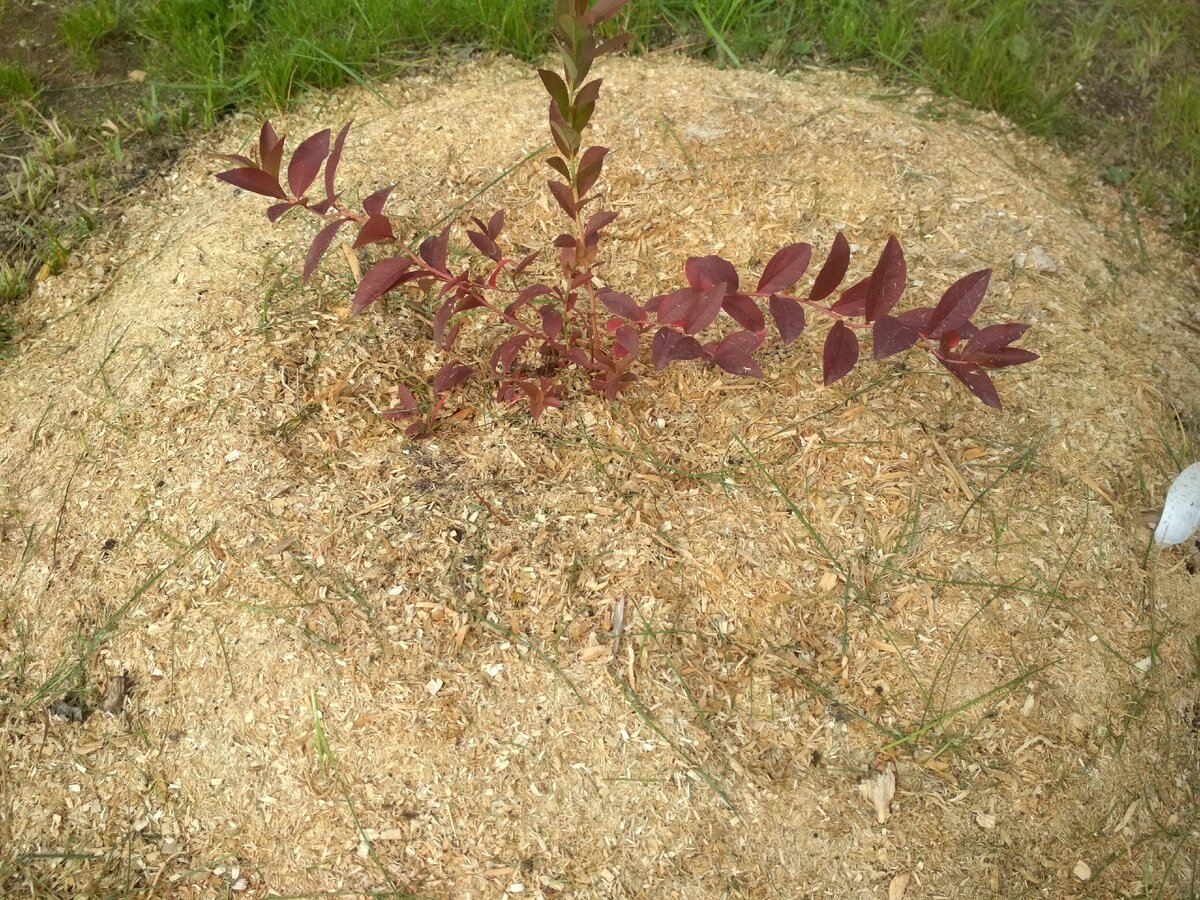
{"x":115,"y":693}
{"x":595,"y":653}
{"x":879,"y":790}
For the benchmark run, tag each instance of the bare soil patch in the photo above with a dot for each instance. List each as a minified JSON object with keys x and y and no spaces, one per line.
{"x":874,"y":638}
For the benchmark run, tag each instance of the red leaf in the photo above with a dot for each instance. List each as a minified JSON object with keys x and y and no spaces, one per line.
{"x":502,"y":358}
{"x":705,"y":271}
{"x":589,"y":93}
{"x":916,"y":319}
{"x":525,"y":263}
{"x":993,"y":337}
{"x":334,"y":158}
{"x":306,"y":162}
{"x":254,"y":180}
{"x":552,"y":321}
{"x":235,"y":158}
{"x":590,"y":165}
{"x":687,"y":347}
{"x":612,"y":45}
{"x":405,"y":408}
{"x":406,"y":398}
{"x":433,"y":249}
{"x":890,"y":336}
{"x":833,"y":271}
{"x":789,"y":318}
{"x":495,"y":224}
{"x":559,"y":165}
{"x":1000,"y":358}
{"x":468,"y":301}
{"x":887,"y":282}
{"x":976,"y":380}
{"x":660,"y":347}
{"x":485,"y":244}
{"x":562,"y":193}
{"x":581,"y":114}
{"x":373,"y":204}
{"x":741,"y":342}
{"x":566,"y":138}
{"x":542,"y":394}
{"x":733,"y":353}
{"x":441,"y":318}
{"x":744,"y":311}
{"x":318,"y":247}
{"x":399,"y":412}
{"x":384,"y":276}
{"x":853,"y":301}
{"x":453,"y":282}
{"x":786,"y":267}
{"x":959,"y":303}
{"x":669,"y":344}
{"x":672,"y":307}
{"x":704,"y":308}
{"x":450,"y":376}
{"x":622,"y":305}
{"x":627,"y":338}
{"x":739,"y":364}
{"x":556,"y":88}
{"x":841,"y":352}
{"x":376,"y":228}
{"x":275,"y":210}
{"x":270,"y":150}
{"x":580,"y":358}
{"x":598,"y":221}
{"x":534,"y":290}
{"x":547,"y":396}
{"x":602,"y":10}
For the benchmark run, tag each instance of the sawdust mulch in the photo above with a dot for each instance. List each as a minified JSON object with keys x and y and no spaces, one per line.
{"x":873,"y":638}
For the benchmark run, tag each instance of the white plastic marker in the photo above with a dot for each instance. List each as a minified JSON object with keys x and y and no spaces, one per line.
{"x":1181,"y":513}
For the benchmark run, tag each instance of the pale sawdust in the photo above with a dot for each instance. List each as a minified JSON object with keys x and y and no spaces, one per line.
{"x":188,"y":431}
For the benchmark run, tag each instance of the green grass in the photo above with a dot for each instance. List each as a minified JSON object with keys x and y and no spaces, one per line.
{"x":233,"y":54}
{"x":16,"y":84}
{"x":14,"y":282}
{"x":1113,"y":75}
{"x":84,"y":25}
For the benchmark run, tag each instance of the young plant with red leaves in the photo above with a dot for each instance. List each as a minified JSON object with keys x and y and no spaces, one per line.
{"x":579,"y":322}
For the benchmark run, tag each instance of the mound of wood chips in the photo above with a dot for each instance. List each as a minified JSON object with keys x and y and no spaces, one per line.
{"x":873,"y":640}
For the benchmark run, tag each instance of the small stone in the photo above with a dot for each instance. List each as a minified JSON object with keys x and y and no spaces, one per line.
{"x":1082,"y":871}
{"x":1039,"y":260}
